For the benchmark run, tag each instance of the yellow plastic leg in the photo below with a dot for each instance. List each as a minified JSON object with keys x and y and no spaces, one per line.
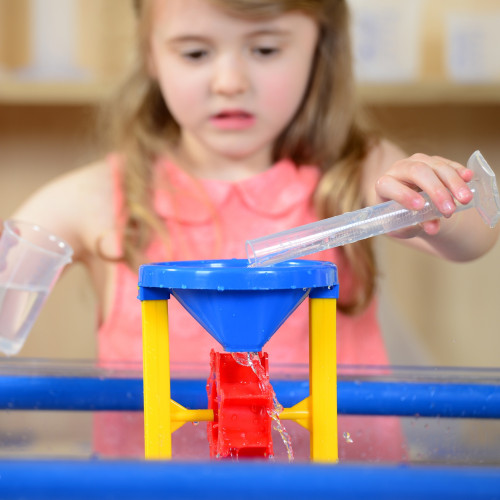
{"x":323,"y":380}
{"x":181,"y":415}
{"x":156,"y":373}
{"x":299,"y":413}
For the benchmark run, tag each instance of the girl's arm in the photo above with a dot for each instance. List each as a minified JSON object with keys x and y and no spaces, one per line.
{"x":76,"y":207}
{"x":389,"y":175}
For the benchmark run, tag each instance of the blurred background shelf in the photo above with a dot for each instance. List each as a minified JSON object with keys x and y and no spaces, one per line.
{"x":429,"y":93}
{"x":93,"y":92}
{"x":53,"y":93}
{"x":412,"y":52}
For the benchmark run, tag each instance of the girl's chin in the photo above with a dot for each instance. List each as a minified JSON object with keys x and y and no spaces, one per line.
{"x":229,"y":149}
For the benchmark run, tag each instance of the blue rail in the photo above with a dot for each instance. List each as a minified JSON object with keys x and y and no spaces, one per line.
{"x":126,"y":480}
{"x":458,"y":400}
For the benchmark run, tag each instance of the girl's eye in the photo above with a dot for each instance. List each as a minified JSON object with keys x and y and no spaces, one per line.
{"x":195,"y":55}
{"x":265,"y":51}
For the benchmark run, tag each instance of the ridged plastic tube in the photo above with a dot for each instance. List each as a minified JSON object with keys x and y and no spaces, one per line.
{"x":371,"y":221}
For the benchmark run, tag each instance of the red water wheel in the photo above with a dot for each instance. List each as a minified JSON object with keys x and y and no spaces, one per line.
{"x":242,"y":401}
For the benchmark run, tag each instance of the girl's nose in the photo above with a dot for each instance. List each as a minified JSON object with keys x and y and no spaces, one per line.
{"x":229,"y":78}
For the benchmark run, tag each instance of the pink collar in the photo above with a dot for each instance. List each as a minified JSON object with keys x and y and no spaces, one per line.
{"x":192,"y":200}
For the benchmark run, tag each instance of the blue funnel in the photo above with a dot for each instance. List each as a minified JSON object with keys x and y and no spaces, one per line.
{"x":240,"y":307}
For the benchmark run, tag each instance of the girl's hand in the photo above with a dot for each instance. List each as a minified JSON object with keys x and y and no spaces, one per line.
{"x":443,"y":180}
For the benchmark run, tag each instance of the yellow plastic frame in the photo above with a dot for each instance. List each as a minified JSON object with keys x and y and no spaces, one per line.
{"x":317,"y":413}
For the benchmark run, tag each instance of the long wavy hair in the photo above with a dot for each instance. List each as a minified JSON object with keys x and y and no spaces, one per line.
{"x":326,"y":131}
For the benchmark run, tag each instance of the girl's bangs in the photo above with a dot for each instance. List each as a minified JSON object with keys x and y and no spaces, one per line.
{"x":266,"y":9}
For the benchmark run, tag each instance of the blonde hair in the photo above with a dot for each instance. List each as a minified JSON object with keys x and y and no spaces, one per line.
{"x":324,"y":132}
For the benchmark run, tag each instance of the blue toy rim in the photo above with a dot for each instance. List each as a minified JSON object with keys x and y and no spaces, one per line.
{"x":234,"y":274}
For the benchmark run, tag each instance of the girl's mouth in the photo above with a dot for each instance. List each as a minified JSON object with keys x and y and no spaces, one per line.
{"x":233,"y":120}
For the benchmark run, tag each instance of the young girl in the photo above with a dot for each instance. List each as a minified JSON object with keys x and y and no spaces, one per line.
{"x":239,"y":120}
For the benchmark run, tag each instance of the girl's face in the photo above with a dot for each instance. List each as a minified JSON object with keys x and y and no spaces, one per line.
{"x":232,"y":85}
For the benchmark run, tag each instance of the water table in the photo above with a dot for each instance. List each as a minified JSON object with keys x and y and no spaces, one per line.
{"x":232,"y":310}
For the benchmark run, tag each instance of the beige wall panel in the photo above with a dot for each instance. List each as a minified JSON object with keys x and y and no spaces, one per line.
{"x":106,"y":36}
{"x":14,"y":33}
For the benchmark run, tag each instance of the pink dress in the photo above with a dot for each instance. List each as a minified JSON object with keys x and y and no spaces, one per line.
{"x":212,"y":219}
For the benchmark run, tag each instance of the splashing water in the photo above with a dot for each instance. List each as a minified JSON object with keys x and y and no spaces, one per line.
{"x":252,"y":360}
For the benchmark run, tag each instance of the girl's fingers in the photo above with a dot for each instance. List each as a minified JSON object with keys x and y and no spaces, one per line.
{"x":431,"y":227}
{"x":453,"y":182}
{"x":455,"y":178}
{"x":464,"y":172}
{"x":442,"y":180}
{"x":390,"y":188}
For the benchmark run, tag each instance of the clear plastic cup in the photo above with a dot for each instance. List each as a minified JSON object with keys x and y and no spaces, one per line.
{"x":31,"y":259}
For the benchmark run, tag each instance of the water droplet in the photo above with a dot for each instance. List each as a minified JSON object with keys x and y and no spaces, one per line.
{"x":196,"y":423}
{"x":347,"y":437}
